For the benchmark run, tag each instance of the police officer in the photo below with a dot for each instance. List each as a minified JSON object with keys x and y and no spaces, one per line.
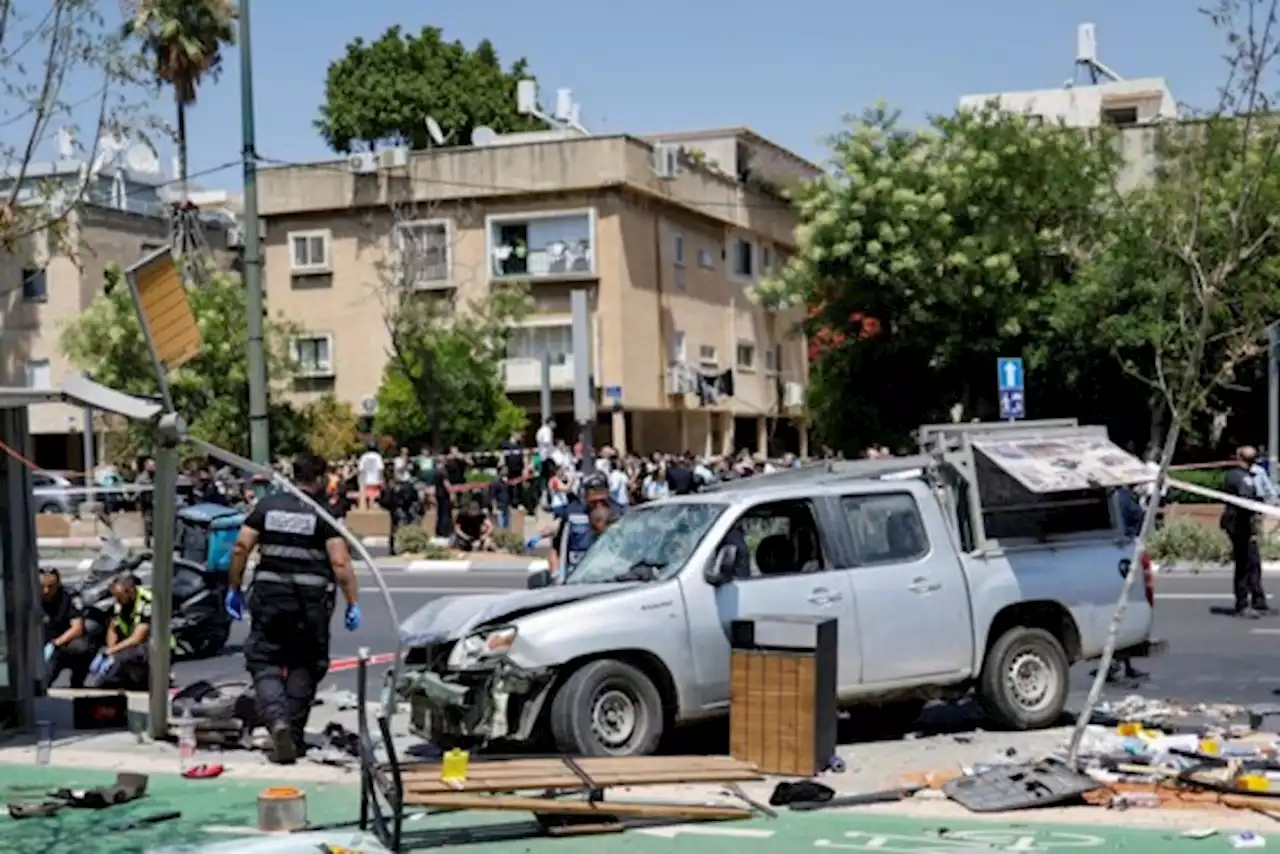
{"x":302,"y":559}
{"x":66,"y":646}
{"x":125,"y":662}
{"x":576,"y":533}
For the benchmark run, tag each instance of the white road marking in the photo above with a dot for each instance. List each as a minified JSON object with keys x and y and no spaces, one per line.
{"x":1264,"y":631}
{"x":675,"y":830}
{"x":1199,"y":597}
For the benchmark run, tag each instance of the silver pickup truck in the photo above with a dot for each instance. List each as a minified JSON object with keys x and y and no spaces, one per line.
{"x":989,"y":563}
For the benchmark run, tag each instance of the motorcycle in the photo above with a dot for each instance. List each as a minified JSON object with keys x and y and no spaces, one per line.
{"x":200,"y":626}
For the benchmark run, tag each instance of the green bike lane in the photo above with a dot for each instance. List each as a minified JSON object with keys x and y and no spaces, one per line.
{"x":220,"y":814}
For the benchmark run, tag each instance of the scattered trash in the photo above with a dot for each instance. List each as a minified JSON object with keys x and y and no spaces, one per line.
{"x":836,"y":765}
{"x":145,"y":821}
{"x":1199,"y":833}
{"x":1247,"y":839}
{"x":203,"y":772}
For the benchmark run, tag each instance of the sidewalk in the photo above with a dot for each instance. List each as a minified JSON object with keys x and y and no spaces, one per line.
{"x":1269,"y":567}
{"x":482,"y":563}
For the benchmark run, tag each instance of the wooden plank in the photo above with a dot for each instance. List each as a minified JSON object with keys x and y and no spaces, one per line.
{"x":165,"y":309}
{"x":547,"y":806}
{"x":614,"y":767}
{"x":569,"y":781}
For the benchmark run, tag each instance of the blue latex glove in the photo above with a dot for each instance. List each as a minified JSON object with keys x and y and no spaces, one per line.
{"x":352,"y":619}
{"x":100,"y":663}
{"x":532,"y":542}
{"x":48,"y":652}
{"x":235,"y":604}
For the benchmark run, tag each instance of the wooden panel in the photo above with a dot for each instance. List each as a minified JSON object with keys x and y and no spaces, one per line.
{"x":535,"y":774}
{"x":164,"y":307}
{"x":772,"y":724}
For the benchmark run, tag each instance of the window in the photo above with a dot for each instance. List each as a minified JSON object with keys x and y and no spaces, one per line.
{"x":677,"y":248}
{"x":772,"y":358}
{"x":706,"y":259}
{"x":425,"y":255}
{"x":779,"y":538}
{"x":313,"y":355}
{"x":742,"y":258}
{"x":707,"y":355}
{"x":886,"y":528}
{"x":1120,"y":116}
{"x":35,"y":284}
{"x":746,"y":357}
{"x":766,"y":260}
{"x":39,"y":374}
{"x":531,"y":342}
{"x":309,"y":251}
{"x":541,"y":245}
{"x":678,"y":353}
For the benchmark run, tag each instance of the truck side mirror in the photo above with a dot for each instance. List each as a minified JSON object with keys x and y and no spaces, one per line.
{"x":538,"y":580}
{"x":720,"y":570}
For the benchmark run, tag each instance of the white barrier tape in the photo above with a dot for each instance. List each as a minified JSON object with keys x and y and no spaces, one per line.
{"x":1244,"y":503}
{"x":90,"y":490}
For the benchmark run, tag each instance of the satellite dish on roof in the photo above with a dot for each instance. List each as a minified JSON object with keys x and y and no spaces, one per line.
{"x":140,"y":158}
{"x":483,"y":135}
{"x":433,"y":131}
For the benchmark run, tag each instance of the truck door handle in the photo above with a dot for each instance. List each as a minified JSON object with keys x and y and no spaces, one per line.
{"x":923,"y":585}
{"x":823,"y":596}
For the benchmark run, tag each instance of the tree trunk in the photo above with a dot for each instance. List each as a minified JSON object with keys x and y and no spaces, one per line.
{"x":1155,"y":429}
{"x":184,"y":172}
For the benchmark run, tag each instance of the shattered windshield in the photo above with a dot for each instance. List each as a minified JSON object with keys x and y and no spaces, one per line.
{"x":648,"y":543}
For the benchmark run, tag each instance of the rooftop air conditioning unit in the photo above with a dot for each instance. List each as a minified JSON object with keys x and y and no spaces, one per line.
{"x":679,"y":379}
{"x":393,"y":158}
{"x":792,"y":395}
{"x":666,"y":160}
{"x":362,"y":163}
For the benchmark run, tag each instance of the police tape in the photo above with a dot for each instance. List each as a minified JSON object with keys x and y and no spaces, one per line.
{"x":1243,"y":503}
{"x":93,"y":490}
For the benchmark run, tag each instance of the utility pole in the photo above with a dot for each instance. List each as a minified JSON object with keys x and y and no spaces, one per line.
{"x":584,"y":408}
{"x":259,"y":438}
{"x":1273,"y":397}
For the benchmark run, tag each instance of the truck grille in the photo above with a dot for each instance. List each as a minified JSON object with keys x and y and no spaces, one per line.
{"x":433,"y":656}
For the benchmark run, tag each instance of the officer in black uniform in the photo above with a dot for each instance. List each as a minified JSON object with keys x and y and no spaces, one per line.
{"x":66,"y":646}
{"x":302,"y":559}
{"x":576,"y":533}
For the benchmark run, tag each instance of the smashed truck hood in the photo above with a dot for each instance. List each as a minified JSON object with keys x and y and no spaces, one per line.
{"x":453,"y":617}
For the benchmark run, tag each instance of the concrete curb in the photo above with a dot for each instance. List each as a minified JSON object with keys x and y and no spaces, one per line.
{"x":54,"y":544}
{"x":1269,"y":567}
{"x":412,"y":566}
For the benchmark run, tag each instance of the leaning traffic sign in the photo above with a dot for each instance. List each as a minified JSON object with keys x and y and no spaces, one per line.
{"x":164,"y":310}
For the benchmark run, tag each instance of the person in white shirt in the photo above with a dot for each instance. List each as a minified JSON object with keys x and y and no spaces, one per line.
{"x":403,"y":465}
{"x":369,"y":470}
{"x":619,"y":486}
{"x":545,"y":438}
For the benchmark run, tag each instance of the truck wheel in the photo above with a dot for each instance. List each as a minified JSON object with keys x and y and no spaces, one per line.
{"x":1024,"y":679}
{"x":607,"y":708}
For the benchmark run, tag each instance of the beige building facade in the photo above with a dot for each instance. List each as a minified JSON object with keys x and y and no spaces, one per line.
{"x":667,"y":249}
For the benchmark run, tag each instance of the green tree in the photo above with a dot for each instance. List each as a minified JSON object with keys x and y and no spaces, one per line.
{"x":333,"y":428}
{"x":443,"y":383}
{"x":926,"y":254}
{"x":182,"y":42}
{"x":211,"y":391}
{"x":381,"y":92}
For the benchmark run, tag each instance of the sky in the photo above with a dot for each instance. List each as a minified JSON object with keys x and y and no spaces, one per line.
{"x":788,"y":70}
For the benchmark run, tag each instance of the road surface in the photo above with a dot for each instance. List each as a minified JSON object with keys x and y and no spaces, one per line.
{"x":1211,"y":658}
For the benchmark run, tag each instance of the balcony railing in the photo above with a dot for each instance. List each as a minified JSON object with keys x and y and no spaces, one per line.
{"x":556,"y":259}
{"x":525,"y":374}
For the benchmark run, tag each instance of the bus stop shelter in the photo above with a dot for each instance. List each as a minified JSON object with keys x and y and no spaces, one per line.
{"x":21,"y":624}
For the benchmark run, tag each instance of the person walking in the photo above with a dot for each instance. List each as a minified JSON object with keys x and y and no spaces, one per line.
{"x":303,"y":559}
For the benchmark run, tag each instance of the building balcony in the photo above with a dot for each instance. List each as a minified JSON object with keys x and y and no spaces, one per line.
{"x":523,"y":374}
{"x":550,"y":245}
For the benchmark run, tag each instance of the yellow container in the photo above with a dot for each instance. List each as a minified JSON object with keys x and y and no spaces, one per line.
{"x":1210,"y":746}
{"x":1253,"y":783}
{"x":454,"y":766}
{"x":1129,"y":728}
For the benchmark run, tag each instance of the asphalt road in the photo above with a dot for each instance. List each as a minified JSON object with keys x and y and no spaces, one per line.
{"x":1212,"y":658}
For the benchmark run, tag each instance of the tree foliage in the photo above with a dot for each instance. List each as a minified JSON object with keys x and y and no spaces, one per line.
{"x":443,"y":383}
{"x":211,"y":391}
{"x":333,"y":428}
{"x":63,"y":66}
{"x":927,"y":253}
{"x":381,"y":92}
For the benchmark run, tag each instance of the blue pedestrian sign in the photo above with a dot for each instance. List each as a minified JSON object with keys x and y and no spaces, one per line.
{"x":1009,"y":375}
{"x":1013,"y":404}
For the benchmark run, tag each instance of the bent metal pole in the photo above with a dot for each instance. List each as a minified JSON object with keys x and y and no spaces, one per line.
{"x":284,"y":483}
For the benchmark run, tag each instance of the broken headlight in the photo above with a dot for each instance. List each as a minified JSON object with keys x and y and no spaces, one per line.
{"x":481,"y":646}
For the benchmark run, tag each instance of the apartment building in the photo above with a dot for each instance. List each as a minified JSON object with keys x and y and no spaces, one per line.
{"x":667,"y":235}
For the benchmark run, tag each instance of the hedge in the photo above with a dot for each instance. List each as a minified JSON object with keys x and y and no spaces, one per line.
{"x":1181,"y":541}
{"x":1208,"y":478}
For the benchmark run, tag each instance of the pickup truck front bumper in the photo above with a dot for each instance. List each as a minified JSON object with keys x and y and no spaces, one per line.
{"x":474,"y":706}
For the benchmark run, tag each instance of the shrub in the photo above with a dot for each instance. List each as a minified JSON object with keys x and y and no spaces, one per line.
{"x":1181,"y":540}
{"x":1208,"y":478}
{"x":415,"y":539}
{"x":508,"y":541}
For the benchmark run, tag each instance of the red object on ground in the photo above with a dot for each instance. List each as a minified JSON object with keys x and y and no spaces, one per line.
{"x":203,"y":772}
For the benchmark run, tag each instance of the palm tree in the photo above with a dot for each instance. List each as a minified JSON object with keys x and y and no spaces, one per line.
{"x":183,"y":41}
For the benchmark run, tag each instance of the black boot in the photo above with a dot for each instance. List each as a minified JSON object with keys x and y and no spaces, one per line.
{"x":284,"y":751}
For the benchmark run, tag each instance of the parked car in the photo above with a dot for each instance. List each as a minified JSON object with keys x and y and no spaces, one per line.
{"x":53,"y":493}
{"x":968,"y":570}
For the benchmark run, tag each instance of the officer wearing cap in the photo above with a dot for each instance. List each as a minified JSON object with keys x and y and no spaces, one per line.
{"x":576,"y":533}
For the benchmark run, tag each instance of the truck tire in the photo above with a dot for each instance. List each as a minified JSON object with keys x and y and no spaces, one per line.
{"x":1024,"y":680}
{"x":607,"y":708}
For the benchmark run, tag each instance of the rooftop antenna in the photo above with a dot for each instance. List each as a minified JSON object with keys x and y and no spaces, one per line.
{"x":567,"y":111}
{"x":1087,"y":56}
